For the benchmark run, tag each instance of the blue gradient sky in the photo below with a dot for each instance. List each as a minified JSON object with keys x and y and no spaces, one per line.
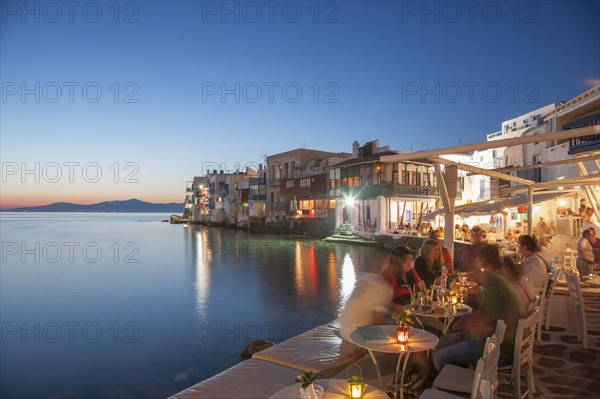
{"x":366,"y":57}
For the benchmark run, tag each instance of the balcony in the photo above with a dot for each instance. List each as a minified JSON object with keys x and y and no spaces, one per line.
{"x":578,"y":145}
{"x":257,"y":181}
{"x":392,"y":190}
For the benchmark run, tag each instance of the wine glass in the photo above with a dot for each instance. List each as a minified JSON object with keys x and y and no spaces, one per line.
{"x":462,"y":293}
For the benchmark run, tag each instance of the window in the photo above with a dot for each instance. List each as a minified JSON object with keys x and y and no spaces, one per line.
{"x":305,"y":182}
{"x":553,"y":123}
{"x":289,"y":184}
{"x":494,"y":153}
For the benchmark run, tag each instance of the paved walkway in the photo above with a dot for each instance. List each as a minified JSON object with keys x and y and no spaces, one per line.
{"x":563,"y":369}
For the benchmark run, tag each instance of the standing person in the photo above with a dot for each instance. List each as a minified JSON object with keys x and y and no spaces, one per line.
{"x":585,"y":253}
{"x":429,"y":263}
{"x":401,"y":275}
{"x":469,"y":253}
{"x":533,"y":268}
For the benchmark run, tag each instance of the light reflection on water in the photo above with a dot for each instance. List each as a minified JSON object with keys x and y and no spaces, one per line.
{"x":198,"y":295}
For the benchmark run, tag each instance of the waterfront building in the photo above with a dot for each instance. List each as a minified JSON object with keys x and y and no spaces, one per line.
{"x":293,"y":183}
{"x":257,"y":195}
{"x":220,"y":196}
{"x":199,"y":198}
{"x":380,"y":196}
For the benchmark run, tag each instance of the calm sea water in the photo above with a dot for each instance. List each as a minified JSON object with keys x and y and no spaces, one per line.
{"x":124,"y":306}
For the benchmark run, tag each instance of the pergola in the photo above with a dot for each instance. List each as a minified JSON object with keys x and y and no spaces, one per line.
{"x":447,"y":178}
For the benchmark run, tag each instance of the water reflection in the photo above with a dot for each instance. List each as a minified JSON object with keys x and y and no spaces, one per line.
{"x":202,"y":275}
{"x":347,"y":280}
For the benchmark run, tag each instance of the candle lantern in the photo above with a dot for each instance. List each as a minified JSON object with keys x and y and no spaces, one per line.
{"x":356,"y":384}
{"x":402,"y":334}
{"x":454,"y":298}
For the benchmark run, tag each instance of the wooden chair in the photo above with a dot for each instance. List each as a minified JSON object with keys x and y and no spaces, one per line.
{"x":523,"y":356}
{"x":484,"y":389}
{"x":586,"y":314}
{"x":463,"y":380}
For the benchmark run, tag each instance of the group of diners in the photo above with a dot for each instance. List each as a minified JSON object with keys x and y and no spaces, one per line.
{"x":509,"y":290}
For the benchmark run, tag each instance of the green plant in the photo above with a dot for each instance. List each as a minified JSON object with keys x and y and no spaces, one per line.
{"x":403,"y":317}
{"x":306,"y":378}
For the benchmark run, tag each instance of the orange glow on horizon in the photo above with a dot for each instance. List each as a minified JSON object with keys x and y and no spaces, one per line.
{"x":11,"y":201}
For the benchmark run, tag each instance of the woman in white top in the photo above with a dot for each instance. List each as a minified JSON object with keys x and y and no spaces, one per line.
{"x":533,"y":268}
{"x":368,"y":304}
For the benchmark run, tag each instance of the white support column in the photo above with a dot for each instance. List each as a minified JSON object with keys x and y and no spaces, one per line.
{"x":529,"y":211}
{"x":447,"y":183}
{"x":381,"y":214}
{"x":591,"y":193}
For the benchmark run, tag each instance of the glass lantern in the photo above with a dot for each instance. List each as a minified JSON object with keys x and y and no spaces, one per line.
{"x":356,"y":384}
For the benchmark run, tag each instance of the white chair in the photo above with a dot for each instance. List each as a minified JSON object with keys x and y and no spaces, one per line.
{"x":484,"y":389}
{"x":586,"y":314}
{"x":569,"y":261}
{"x":543,"y":303}
{"x":546,"y":303}
{"x":500,"y":331}
{"x":523,"y":356}
{"x":463,"y":380}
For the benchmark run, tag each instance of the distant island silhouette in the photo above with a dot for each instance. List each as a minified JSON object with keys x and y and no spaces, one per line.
{"x":130,"y":205}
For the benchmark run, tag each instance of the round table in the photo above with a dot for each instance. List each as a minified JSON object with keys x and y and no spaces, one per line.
{"x":446,"y":318}
{"x":418,"y":341}
{"x":334,"y":389}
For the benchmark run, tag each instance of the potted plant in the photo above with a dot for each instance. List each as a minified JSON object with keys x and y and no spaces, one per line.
{"x":308,"y":388}
{"x":403,"y":319}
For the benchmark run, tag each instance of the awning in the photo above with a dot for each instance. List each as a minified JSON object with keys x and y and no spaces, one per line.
{"x":495,"y":206}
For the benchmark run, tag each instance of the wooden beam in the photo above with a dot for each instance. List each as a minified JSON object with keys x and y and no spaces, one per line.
{"x":481,"y":171}
{"x":570,"y":181}
{"x":548,"y":164}
{"x":558,"y":135}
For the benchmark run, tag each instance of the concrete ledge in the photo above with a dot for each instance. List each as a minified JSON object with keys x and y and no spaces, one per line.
{"x":320,"y":350}
{"x":250,"y":379}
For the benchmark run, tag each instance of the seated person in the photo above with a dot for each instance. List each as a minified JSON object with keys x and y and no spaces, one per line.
{"x":487,"y":260}
{"x":522,"y":288}
{"x":533,"y":268}
{"x":463,"y":346}
{"x":429,"y":263}
{"x":367,"y":305}
{"x":470,"y":252}
{"x":401,"y":276}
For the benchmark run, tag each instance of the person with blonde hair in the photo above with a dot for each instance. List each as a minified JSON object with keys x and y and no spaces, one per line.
{"x":430,"y":262}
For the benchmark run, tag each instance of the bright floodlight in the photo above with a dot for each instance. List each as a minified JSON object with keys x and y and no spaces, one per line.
{"x":349,"y":201}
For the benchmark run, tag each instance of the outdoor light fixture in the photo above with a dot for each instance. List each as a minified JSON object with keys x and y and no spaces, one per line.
{"x":562,"y":203}
{"x":349,"y":201}
{"x":356,"y":384}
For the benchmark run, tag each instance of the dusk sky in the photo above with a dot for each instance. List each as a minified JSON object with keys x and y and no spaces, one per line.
{"x":135,"y":90}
